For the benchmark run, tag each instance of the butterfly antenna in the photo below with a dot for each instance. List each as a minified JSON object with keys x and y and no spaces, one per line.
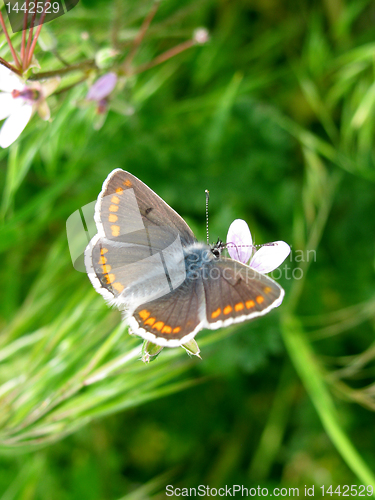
{"x":207,"y":198}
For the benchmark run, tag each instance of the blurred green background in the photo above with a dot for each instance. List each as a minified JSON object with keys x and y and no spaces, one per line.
{"x":275,"y":115}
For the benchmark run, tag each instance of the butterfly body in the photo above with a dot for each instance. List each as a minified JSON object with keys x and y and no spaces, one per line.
{"x":146,"y":261}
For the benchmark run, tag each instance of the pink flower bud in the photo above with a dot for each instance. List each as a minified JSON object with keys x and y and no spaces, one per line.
{"x":102,"y":87}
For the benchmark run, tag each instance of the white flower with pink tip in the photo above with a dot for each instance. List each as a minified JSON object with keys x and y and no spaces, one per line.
{"x":240,"y":247}
{"x":18,"y":102}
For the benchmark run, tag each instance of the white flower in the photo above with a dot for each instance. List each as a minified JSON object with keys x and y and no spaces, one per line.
{"x":17,"y":111}
{"x":240,"y":247}
{"x":18,"y":102}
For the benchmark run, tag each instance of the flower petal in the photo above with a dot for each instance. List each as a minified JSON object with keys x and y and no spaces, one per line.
{"x":239,"y":241}
{"x":9,"y":80}
{"x":50,"y":86}
{"x":102,"y":87}
{"x":14,"y":125}
{"x":270,"y":256}
{"x":43,"y":110}
{"x":8,"y":105}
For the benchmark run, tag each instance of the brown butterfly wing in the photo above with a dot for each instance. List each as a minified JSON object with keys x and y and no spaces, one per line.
{"x":128,"y":210}
{"x":174,"y":318}
{"x":234,"y":292}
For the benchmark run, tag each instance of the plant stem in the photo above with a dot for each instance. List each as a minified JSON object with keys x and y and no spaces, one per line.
{"x":15,"y":58}
{"x":165,"y":56}
{"x":60,"y":58}
{"x":9,"y":66}
{"x":40,"y":26}
{"x":23,"y":42}
{"x":88,"y":64}
{"x":69,"y":87}
{"x":141,"y":34}
{"x":31,"y":31}
{"x":32,"y":48}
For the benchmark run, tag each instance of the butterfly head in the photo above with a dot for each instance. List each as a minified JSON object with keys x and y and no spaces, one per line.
{"x":217,"y":248}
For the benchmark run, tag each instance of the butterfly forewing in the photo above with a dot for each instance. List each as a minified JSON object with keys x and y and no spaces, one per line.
{"x":137,"y":252}
{"x":234,"y":292}
{"x":126,"y":206}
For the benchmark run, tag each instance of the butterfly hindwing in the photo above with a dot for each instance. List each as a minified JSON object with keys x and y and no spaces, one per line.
{"x":172,"y":319}
{"x":234,"y":292}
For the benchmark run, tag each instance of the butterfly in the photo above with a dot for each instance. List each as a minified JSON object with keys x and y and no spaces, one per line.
{"x":146,"y":261}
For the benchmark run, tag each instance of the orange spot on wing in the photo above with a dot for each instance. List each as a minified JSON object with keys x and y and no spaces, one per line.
{"x":216,"y":313}
{"x":177,"y":329}
{"x":158,"y":325}
{"x":227,"y":310}
{"x":239,"y":307}
{"x":127,"y":183}
{"x":110,"y":278}
{"x":267,"y":289}
{"x":115,"y":199}
{"x":144,"y":314}
{"x":166,"y":329}
{"x":150,"y":321}
{"x":118,"y":287}
{"x":106,"y":269}
{"x":119,"y":191}
{"x":103,"y":251}
{"x":113,"y":208}
{"x":250,"y":304}
{"x":259,"y":299}
{"x":115,"y":230}
{"x":102,"y":260}
{"x":112,"y":218}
